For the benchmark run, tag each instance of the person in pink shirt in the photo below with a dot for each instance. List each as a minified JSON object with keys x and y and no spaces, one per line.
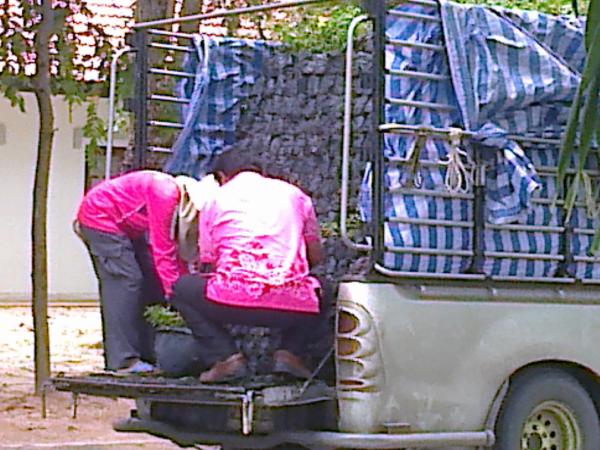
{"x":127,"y":225}
{"x":260,"y":238}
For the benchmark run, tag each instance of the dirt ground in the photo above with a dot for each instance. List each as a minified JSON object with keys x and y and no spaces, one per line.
{"x":75,"y":341}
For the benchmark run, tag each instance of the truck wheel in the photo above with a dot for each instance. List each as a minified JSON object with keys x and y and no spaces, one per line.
{"x":547,"y":410}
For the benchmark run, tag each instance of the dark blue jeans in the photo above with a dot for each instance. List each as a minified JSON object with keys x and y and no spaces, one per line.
{"x":206,"y":319}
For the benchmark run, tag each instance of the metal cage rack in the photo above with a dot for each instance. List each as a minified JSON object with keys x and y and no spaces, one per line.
{"x":149,"y":37}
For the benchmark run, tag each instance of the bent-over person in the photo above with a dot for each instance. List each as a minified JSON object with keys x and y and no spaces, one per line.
{"x":260,"y":237}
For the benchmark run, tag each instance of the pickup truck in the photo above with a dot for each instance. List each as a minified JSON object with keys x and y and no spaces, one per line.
{"x":469,"y":351}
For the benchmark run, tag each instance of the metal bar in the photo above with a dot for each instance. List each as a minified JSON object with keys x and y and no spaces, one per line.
{"x":417,"y":74}
{"x":422,"y":162}
{"x":157,"y":149}
{"x":478,"y":241}
{"x":317,"y":439}
{"x":429,"y":251}
{"x":586,"y":259}
{"x":446,"y":276}
{"x":394,"y":127}
{"x":167,"y":98}
{"x":411,"y":15}
{"x":111,"y":109}
{"x":586,"y":231}
{"x":513,"y":227}
{"x":590,"y":281}
{"x":171,"y":34}
{"x":553,"y":170}
{"x":231,"y":12}
{"x":140,"y":109}
{"x":177,"y":48}
{"x":418,"y":45}
{"x":423,"y":3}
{"x":347,"y":137}
{"x":159,"y":123}
{"x":377,"y":157}
{"x":418,"y":104}
{"x":534,"y":279}
{"x":549,"y":201}
{"x":432,"y":193}
{"x":431,"y":222}
{"x":518,"y":255}
{"x":172,"y":73}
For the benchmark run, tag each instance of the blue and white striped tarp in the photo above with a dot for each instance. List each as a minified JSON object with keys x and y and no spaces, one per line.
{"x":226,"y":69}
{"x":509,"y":73}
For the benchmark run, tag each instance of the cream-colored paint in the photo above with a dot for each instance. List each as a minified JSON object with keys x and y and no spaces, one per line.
{"x":70,"y":271}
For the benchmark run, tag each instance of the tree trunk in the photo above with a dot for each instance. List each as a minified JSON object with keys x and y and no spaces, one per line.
{"x":39,"y":262}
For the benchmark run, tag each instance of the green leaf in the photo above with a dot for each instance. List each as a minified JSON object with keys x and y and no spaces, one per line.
{"x":593,"y":23}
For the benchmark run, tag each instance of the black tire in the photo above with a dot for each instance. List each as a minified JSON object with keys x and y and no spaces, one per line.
{"x":560,"y":400}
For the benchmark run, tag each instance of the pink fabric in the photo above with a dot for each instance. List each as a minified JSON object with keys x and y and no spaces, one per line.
{"x":254,"y":232}
{"x":134,"y":204}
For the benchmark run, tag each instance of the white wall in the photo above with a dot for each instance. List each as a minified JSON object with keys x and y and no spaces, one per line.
{"x":70,"y":272}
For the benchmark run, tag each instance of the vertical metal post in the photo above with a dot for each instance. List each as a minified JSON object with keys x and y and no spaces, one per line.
{"x":378,"y":11}
{"x":566,"y":238}
{"x":478,"y":214}
{"x":140,"y":102}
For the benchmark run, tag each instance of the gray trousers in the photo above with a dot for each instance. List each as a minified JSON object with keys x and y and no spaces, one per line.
{"x":127,"y":283}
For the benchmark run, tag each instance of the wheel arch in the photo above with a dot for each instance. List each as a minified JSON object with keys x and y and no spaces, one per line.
{"x":588,"y":378}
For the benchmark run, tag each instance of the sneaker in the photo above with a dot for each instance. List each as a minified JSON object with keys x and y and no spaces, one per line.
{"x":138,"y":367}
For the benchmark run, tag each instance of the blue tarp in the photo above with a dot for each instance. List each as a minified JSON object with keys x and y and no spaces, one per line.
{"x":500,"y":72}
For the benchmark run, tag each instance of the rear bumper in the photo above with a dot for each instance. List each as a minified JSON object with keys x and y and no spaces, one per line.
{"x":311,"y":439}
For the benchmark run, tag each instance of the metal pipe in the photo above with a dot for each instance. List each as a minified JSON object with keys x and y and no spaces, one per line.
{"x":140,"y":103}
{"x":177,"y":48}
{"x":231,"y":12}
{"x":564,"y":280}
{"x":347,"y":136}
{"x":419,"y":45}
{"x":167,"y":98}
{"x":172,"y":73}
{"x":157,"y":149}
{"x":399,"y":273}
{"x":392,"y":441}
{"x":159,"y":123}
{"x":171,"y":34}
{"x":514,"y":227}
{"x":399,"y":128}
{"x":417,"y":74}
{"x":111,"y":109}
{"x":418,"y":104}
{"x":518,"y":255}
{"x":432,"y":193}
{"x":431,"y":3}
{"x":431,"y":222}
{"x":411,"y":15}
{"x":429,"y":251}
{"x":378,"y":13}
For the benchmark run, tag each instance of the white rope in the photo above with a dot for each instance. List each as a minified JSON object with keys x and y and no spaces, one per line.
{"x":459,"y":171}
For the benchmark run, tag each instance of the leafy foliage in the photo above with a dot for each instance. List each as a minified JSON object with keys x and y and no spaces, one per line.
{"x":163,"y":316}
{"x":584,"y":123}
{"x":78,"y":50}
{"x":317,"y":29}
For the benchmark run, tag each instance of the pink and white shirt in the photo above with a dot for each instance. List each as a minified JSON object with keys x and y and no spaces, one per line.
{"x":132,"y":205}
{"x":254,"y":233}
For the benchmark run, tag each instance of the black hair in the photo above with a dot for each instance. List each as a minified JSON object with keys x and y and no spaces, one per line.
{"x":235,"y":160}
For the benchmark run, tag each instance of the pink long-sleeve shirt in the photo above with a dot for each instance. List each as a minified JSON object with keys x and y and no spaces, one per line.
{"x":254,"y":232}
{"x":132,"y":205}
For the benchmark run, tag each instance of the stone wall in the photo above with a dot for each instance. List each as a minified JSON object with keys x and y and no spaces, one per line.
{"x":293,"y":122}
